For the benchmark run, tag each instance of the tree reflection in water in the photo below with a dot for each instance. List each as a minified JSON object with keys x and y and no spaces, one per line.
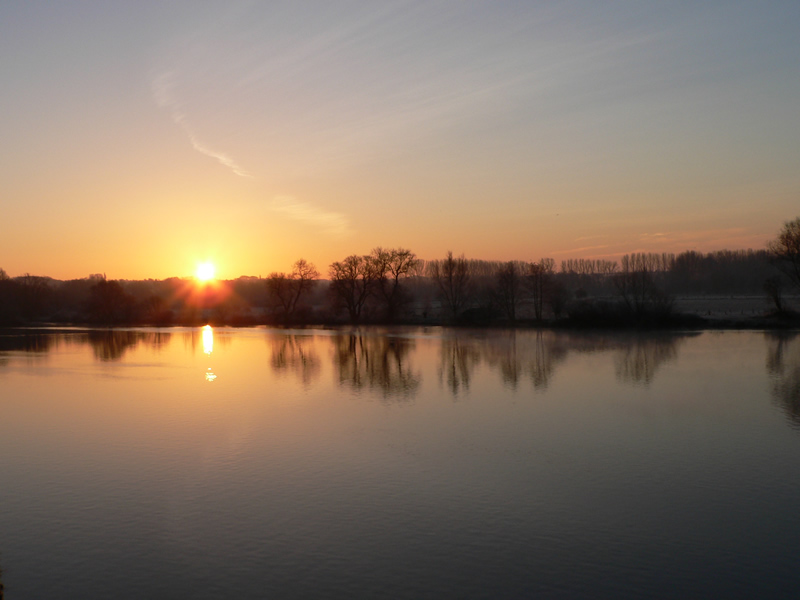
{"x":641,"y":356}
{"x":516,"y":355}
{"x":107,"y":344}
{"x":295,"y":354}
{"x":458,"y":360}
{"x":783,"y":366}
{"x":39,"y":343}
{"x":110,"y":345}
{"x":537,"y":354}
{"x":376,"y":362}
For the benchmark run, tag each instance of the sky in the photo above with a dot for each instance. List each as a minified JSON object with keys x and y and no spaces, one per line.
{"x":140,"y":138}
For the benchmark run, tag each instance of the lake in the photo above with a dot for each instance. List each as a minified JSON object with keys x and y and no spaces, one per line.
{"x":398,"y":463}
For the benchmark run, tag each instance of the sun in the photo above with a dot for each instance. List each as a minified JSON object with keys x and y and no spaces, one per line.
{"x":205,"y":271}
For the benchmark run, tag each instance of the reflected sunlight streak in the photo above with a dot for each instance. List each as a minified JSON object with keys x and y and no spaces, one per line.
{"x":208,"y":348}
{"x":208,"y":339}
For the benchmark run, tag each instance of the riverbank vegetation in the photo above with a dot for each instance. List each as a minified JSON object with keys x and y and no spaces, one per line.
{"x":394,"y":286}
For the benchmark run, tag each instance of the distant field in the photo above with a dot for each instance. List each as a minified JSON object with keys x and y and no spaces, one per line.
{"x":729,"y":306}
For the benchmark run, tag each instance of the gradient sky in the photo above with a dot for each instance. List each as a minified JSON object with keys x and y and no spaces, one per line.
{"x":139,"y":138}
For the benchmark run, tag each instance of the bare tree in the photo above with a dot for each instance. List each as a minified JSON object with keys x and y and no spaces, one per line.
{"x":773,"y":286}
{"x":538,"y":278}
{"x":109,"y":302}
{"x":583,"y":266}
{"x":352,"y":283}
{"x":557,"y":297}
{"x":785,"y":250}
{"x":637,"y":285}
{"x":452,"y":279}
{"x":390,"y":268}
{"x":35,"y":294}
{"x":284,"y":292}
{"x":509,"y":288}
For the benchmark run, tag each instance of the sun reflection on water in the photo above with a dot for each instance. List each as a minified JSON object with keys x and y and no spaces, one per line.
{"x":208,"y":339}
{"x":208,"y":348}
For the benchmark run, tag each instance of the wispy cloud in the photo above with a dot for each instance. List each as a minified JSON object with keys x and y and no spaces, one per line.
{"x":163,"y":94}
{"x":581,"y":249}
{"x":332,"y":223}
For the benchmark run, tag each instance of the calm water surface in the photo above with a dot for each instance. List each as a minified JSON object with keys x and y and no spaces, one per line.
{"x":398,"y":464}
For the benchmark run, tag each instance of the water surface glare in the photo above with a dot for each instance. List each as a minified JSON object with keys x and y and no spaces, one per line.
{"x":402,"y":463}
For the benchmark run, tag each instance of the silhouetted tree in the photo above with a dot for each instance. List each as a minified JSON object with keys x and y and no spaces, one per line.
{"x":155,"y":310}
{"x":34,"y":295}
{"x":509,"y":289}
{"x":352,"y":282}
{"x":390,"y":268}
{"x":285,"y":292}
{"x":773,"y":286}
{"x":636,"y":284}
{"x":9,"y":299}
{"x":719,"y":272}
{"x":583,"y":266}
{"x":785,"y":250}
{"x":558,"y":297}
{"x":452,"y":279}
{"x":108,"y":302}
{"x":538,"y":278}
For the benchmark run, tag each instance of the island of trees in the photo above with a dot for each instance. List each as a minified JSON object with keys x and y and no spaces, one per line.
{"x":394,"y":286}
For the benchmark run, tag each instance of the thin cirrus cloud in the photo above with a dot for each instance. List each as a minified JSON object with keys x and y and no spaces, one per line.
{"x":340,"y":91}
{"x":302,"y":94}
{"x":335,"y":224}
{"x":165,"y":98}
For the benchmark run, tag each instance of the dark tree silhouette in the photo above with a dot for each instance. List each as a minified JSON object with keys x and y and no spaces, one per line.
{"x":773,"y":286}
{"x":785,"y":250}
{"x":390,"y":268}
{"x":352,"y":282}
{"x":452,"y":279}
{"x":109,"y":303}
{"x":284,"y":292}
{"x":538,"y":277}
{"x":509,"y":289}
{"x":9,"y":299}
{"x":34,"y":295}
{"x":637,"y":286}
{"x":558,"y":296}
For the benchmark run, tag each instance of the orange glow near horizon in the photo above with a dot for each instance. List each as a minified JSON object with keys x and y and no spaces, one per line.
{"x":205,"y":271}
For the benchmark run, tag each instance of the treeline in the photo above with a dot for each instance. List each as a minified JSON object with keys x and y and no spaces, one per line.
{"x":96,"y":300}
{"x":394,"y":286}
{"x":690,"y":272}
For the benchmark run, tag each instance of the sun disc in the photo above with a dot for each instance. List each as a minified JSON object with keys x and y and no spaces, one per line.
{"x":205,"y":271}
